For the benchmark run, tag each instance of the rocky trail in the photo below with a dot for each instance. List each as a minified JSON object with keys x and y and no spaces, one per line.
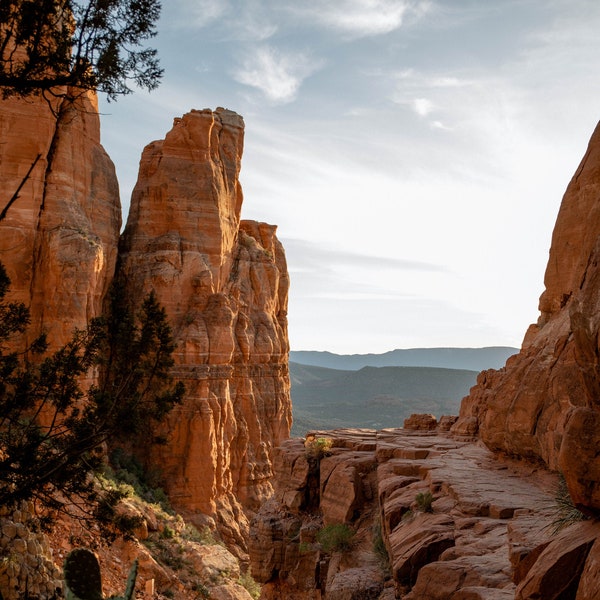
{"x":458,"y":522}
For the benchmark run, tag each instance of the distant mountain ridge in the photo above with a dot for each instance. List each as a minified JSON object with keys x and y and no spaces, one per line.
{"x":471,"y":359}
{"x":373,"y":397}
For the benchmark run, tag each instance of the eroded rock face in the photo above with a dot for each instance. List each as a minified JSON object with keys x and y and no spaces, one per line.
{"x":224,"y":285}
{"x":59,"y":239}
{"x":546,"y":399}
{"x":455,"y":521}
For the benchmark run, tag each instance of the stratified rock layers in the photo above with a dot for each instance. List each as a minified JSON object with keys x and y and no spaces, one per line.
{"x":545,"y":403}
{"x":224,"y":285}
{"x":59,"y":239}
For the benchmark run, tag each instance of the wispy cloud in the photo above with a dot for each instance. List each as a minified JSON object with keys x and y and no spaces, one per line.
{"x":308,"y":256}
{"x":277,"y":74}
{"x":362,"y":18}
{"x":197,"y":13}
{"x":422,"y":106}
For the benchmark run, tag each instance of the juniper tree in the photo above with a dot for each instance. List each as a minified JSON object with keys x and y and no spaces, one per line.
{"x":85,"y":45}
{"x":52,"y":430}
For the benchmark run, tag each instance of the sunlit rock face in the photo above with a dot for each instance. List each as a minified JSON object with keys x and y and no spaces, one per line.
{"x":545,"y":403}
{"x":59,"y":239}
{"x":224,"y":285}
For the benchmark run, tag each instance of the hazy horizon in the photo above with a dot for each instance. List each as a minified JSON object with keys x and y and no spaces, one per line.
{"x":412,"y":153}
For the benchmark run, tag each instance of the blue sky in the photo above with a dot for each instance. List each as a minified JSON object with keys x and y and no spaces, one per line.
{"x":412,"y":153}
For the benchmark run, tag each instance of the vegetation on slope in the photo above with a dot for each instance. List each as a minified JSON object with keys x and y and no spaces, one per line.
{"x":53,"y":426}
{"x":373,"y":397}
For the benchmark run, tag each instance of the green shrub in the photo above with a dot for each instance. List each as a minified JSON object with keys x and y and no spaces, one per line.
{"x":379,"y":545}
{"x":167,"y":533}
{"x":566,"y":512}
{"x":424,"y":500}
{"x":252,"y":587}
{"x":127,"y":469}
{"x":305,"y":547}
{"x":318,"y":448}
{"x":336,"y":537}
{"x":200,"y":589}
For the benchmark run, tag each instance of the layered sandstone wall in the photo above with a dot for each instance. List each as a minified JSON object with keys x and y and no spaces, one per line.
{"x":224,"y":285}
{"x":545,"y":403}
{"x":433,"y":517}
{"x":59,"y":239}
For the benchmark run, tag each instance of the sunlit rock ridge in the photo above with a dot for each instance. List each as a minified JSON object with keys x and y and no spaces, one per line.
{"x":545,"y":403}
{"x":59,"y":239}
{"x":224,"y":285}
{"x":222,"y":281}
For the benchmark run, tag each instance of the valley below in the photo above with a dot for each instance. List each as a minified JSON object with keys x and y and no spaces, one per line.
{"x":382,"y":390}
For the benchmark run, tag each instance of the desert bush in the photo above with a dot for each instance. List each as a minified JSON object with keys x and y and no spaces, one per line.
{"x":566,"y":512}
{"x":318,"y":447}
{"x":379,"y":545}
{"x":424,"y":500}
{"x":336,"y":537}
{"x":252,"y":587}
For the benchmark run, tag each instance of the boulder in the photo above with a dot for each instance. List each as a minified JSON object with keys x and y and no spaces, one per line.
{"x":557,"y":571}
{"x":420,"y":422}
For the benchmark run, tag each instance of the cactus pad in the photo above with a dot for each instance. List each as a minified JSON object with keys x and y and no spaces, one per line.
{"x":82,"y":575}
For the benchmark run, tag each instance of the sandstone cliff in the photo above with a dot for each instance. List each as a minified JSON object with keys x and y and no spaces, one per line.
{"x":224,"y":284}
{"x":59,"y":239}
{"x":544,"y":404}
{"x":433,"y":517}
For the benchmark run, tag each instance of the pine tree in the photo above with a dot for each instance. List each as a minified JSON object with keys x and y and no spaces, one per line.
{"x":51,"y":430}
{"x":86,"y":45}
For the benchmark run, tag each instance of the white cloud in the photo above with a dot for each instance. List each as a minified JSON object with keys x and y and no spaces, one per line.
{"x":422,"y":106}
{"x":440,"y":125}
{"x":361,"y":18}
{"x":276,"y":74}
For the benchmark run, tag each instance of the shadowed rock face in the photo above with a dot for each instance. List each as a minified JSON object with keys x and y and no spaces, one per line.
{"x":545,"y":403}
{"x":59,"y":239}
{"x":224,"y":285}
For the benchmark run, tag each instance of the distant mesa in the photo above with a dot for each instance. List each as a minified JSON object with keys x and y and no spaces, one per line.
{"x":376,"y":391}
{"x":472,"y":359}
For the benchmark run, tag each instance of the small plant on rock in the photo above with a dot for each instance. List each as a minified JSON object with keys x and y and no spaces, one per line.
{"x":379,"y":545}
{"x":252,"y":587}
{"x":318,"y":447}
{"x":336,"y":537}
{"x":566,"y":511}
{"x":424,"y":501}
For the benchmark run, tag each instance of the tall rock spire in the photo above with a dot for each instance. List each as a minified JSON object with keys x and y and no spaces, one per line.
{"x":224,"y":284}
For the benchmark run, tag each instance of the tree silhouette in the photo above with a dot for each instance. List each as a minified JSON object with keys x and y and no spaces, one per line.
{"x":47,"y":45}
{"x":52,"y":430}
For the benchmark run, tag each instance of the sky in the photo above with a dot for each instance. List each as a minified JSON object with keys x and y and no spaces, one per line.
{"x":413,"y":153}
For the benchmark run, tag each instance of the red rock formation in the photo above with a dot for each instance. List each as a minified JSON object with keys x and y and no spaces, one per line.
{"x":544,"y":404}
{"x":224,"y":284}
{"x":59,"y":239}
{"x":456,"y":522}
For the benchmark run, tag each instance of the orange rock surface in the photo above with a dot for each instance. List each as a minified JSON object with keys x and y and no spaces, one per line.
{"x":544,"y":404}
{"x":224,"y":285}
{"x":59,"y":238}
{"x":455,"y":521}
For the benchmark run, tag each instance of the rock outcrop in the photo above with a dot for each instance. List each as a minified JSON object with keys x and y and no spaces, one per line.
{"x":434,"y":517}
{"x":224,"y":285}
{"x":544,"y":404}
{"x":59,"y":239}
